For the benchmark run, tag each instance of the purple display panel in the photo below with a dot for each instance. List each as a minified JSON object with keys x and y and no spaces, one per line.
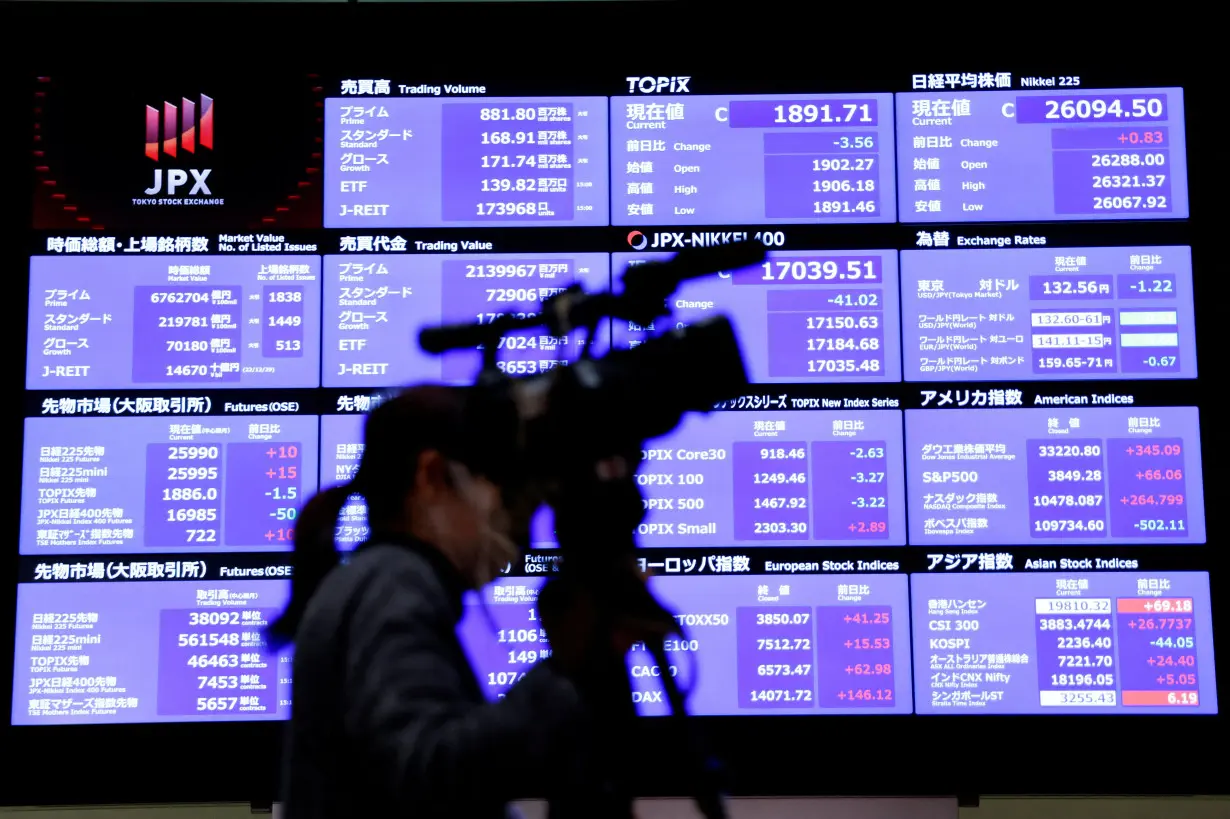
{"x":1020,"y":156}
{"x":802,"y":316}
{"x":466,"y":162}
{"x":785,"y":159}
{"x":1031,"y":314}
{"x":1097,"y":475}
{"x":175,"y":651}
{"x":170,"y":321}
{"x":199,"y":484}
{"x":810,"y":644}
{"x":776,"y":478}
{"x":341,"y":448}
{"x":501,"y":632}
{"x":1063,"y":643}
{"x":375,"y":307}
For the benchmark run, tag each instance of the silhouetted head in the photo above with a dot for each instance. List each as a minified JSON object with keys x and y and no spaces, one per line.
{"x":439,"y":465}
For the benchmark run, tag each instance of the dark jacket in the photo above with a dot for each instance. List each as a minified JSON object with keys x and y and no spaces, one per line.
{"x":389,"y":718}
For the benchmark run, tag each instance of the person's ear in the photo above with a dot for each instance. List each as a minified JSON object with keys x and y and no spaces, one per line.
{"x":431,"y":475}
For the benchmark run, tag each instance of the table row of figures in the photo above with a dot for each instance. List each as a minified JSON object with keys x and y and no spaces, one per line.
{"x":1013,"y":643}
{"x":934,"y":156}
{"x":838,"y":316}
{"x":947,"y":478}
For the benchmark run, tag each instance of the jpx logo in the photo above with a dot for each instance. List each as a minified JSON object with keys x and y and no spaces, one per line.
{"x":662,"y":240}
{"x":175,"y":129}
{"x":658,"y":85}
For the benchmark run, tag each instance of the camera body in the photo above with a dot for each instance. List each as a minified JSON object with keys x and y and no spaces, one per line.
{"x":572,"y":437}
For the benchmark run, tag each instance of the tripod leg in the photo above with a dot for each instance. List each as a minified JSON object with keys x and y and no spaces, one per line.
{"x":706,"y":787}
{"x":598,"y":785}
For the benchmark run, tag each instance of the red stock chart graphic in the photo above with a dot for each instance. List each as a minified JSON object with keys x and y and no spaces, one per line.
{"x":186,"y":136}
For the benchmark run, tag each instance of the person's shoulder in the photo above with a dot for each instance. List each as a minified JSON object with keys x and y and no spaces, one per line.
{"x":389,"y":560}
{"x":391,"y":568}
{"x":377,"y":583}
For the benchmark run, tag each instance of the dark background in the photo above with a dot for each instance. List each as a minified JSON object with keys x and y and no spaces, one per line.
{"x":114,"y":56}
{"x":91,"y":129}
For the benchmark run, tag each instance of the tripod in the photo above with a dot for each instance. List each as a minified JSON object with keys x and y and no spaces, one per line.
{"x":595,"y":519}
{"x":566,"y":429}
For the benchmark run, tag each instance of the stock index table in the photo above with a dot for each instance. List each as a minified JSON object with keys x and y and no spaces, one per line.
{"x":171,"y":651}
{"x":837,"y":644}
{"x":1102,"y":475}
{"x":829,"y":317}
{"x":466,"y":163}
{"x":1083,"y":642}
{"x":174,"y":321}
{"x":786,"y":478}
{"x":120,"y":485}
{"x":708,"y":160}
{"x":832,"y":542}
{"x":1024,"y":156}
{"x":1032,"y":314}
